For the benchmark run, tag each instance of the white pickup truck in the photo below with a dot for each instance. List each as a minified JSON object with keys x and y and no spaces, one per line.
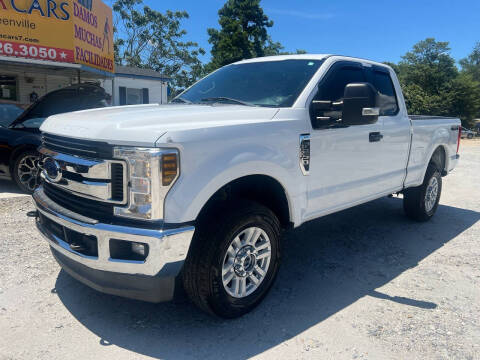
{"x":138,"y":201}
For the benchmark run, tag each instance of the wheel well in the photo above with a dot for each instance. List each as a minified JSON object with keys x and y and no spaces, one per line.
{"x":260,"y":188}
{"x":438,"y":159}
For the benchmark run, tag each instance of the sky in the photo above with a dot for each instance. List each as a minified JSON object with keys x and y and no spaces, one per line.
{"x":377,"y":30}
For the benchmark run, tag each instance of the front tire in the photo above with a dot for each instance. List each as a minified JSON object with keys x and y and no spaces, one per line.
{"x":470,"y":136}
{"x":233,"y":260}
{"x":26,"y":171}
{"x":420,"y":203}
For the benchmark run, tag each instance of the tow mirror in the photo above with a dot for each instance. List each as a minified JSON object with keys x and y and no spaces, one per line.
{"x":360,"y":104}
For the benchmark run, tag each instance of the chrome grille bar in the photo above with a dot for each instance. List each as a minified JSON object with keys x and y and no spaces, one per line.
{"x":95,"y":190}
{"x":88,"y":178}
{"x":88,"y":168}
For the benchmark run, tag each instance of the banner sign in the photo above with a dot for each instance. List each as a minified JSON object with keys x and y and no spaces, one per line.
{"x":93,"y":34}
{"x":75,"y":31}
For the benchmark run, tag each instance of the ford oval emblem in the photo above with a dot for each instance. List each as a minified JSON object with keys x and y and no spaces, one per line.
{"x":52,"y":170}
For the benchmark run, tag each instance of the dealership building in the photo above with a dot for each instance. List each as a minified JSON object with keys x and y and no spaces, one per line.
{"x":45,"y":47}
{"x":24,"y":80}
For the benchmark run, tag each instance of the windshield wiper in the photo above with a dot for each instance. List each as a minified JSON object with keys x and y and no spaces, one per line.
{"x":181,"y":100}
{"x":227,"y":99}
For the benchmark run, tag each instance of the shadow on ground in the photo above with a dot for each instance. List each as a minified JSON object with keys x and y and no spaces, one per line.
{"x":328,"y":264}
{"x":9,"y":189}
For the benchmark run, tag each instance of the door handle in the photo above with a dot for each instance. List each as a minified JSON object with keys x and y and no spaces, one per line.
{"x":375,"y":136}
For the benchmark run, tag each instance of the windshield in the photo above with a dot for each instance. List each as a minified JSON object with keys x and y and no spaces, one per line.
{"x":8,"y":113}
{"x":266,"y":83}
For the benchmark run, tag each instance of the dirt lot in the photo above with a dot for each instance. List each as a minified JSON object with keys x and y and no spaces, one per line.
{"x":364,"y":283}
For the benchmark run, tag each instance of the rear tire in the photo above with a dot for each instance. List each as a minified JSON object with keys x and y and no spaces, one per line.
{"x":26,"y":171}
{"x":233,"y":260}
{"x":420,"y":203}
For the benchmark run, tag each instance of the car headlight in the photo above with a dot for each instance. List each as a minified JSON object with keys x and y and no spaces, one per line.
{"x":151,"y":173}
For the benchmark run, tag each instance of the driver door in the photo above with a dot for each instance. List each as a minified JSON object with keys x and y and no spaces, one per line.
{"x":345,"y":164}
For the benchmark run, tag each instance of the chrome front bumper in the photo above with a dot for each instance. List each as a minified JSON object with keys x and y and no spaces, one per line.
{"x":167,"y":248}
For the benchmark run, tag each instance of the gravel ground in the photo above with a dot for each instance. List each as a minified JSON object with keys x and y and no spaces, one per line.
{"x":365,"y":283}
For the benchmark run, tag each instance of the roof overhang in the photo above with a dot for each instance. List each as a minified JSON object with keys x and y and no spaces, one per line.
{"x":52,"y":68}
{"x":145,"y":77}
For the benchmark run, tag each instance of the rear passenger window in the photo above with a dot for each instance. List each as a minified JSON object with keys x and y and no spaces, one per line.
{"x":387,"y":97}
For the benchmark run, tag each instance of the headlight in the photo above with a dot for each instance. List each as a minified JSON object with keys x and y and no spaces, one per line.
{"x":151,"y":173}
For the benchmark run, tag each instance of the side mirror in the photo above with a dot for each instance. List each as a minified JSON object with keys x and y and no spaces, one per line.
{"x":360,"y":104}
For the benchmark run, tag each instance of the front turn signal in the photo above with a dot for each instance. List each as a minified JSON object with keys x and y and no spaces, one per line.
{"x":169,"y":168}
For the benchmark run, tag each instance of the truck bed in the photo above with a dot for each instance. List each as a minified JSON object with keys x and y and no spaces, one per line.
{"x":429,"y":117}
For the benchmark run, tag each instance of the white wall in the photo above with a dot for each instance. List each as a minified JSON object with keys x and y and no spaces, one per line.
{"x":157,"y":89}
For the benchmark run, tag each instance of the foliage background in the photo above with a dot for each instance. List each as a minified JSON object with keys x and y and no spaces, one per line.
{"x":432,"y":82}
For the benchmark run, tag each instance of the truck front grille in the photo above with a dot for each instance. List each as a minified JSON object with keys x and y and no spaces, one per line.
{"x":80,"y":205}
{"x":88,"y":169}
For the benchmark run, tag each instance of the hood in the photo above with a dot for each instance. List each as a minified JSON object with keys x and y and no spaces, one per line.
{"x":142,"y":125}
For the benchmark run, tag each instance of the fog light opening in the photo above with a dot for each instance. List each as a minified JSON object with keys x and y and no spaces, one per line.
{"x":128,"y":250}
{"x":139,"y":249}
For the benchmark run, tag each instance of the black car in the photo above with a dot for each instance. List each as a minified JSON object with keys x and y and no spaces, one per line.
{"x":20,"y":136}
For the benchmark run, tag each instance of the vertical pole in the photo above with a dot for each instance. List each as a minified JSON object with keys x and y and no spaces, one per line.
{"x":78,"y":76}
{"x":113,"y":92}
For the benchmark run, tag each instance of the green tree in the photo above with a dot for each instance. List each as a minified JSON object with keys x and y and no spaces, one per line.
{"x":471,"y":64}
{"x":428,"y":65}
{"x":432,"y":84}
{"x":146,"y":38}
{"x":463,"y":97}
{"x":243,"y":34}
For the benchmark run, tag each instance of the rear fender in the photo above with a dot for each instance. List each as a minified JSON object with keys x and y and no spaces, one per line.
{"x":421,"y":157}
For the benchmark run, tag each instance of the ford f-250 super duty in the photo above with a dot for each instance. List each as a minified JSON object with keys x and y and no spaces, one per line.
{"x":139,"y":200}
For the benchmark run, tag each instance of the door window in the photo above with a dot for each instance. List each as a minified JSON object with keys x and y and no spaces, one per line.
{"x":386,"y":93}
{"x":334,"y":86}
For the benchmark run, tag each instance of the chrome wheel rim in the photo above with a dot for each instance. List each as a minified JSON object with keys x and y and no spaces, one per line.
{"x":28,"y":172}
{"x":431,"y":194}
{"x":246,"y":262}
